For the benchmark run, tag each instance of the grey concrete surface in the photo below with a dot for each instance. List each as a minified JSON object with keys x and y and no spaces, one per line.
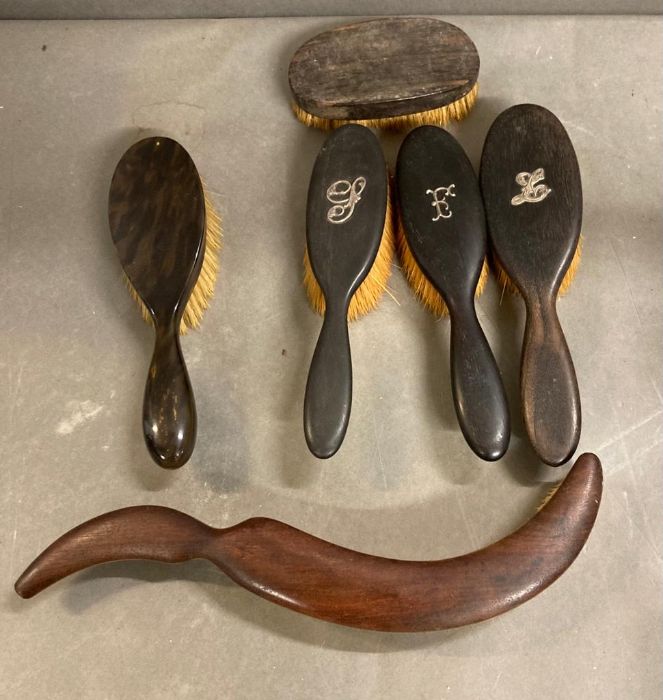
{"x":173,"y":9}
{"x":74,"y":353}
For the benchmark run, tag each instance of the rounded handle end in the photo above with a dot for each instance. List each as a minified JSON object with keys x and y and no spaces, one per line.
{"x":323,"y":441}
{"x":170,"y":446}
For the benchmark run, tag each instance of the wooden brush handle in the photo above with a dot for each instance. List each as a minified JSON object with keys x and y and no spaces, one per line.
{"x":549,"y":389}
{"x":169,"y":409}
{"x":479,"y":397}
{"x":328,"y":397}
{"x":320,"y":579}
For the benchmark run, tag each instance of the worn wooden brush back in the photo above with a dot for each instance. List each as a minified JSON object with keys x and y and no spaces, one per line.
{"x":383,"y":67}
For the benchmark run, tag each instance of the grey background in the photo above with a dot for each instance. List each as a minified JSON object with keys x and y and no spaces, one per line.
{"x":74,"y":353}
{"x":173,"y":9}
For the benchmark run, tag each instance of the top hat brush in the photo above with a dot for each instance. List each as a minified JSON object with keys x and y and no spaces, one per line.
{"x":347,"y":264}
{"x":442,"y":243}
{"x":390,"y":72}
{"x":533,"y":197}
{"x":167,"y":237}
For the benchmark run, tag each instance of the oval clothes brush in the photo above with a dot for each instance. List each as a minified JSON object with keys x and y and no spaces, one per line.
{"x":442,"y":245}
{"x":167,"y":237}
{"x":312,"y":576}
{"x":347,"y":264}
{"x":392,"y":72}
{"x":533,"y":197}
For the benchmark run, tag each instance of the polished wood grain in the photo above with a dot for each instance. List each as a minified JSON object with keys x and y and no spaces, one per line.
{"x":535,"y":242}
{"x":448,"y":241}
{"x":320,"y":579}
{"x":383,"y":67}
{"x":156,"y":211}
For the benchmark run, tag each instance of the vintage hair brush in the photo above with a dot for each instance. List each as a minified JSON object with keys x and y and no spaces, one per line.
{"x":533,"y":197}
{"x":392,"y":72}
{"x":167,"y":237}
{"x":320,"y":579}
{"x":347,"y":264}
{"x":442,"y":245}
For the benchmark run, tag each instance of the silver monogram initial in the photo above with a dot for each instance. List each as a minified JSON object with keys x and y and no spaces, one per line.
{"x":531,"y":191}
{"x":442,"y":208}
{"x":344,"y":195}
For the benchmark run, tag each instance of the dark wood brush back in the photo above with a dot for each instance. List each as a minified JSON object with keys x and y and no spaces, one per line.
{"x":156,"y":211}
{"x":383,"y":67}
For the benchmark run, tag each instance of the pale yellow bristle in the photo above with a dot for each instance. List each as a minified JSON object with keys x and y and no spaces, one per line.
{"x":368,"y":295}
{"x":573,"y":269}
{"x":546,"y":499}
{"x":422,"y":288}
{"x":204,"y":287}
{"x":440,"y":116}
{"x":506,"y":283}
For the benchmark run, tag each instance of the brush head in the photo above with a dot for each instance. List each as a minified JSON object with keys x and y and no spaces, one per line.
{"x":394,"y":73}
{"x":165,"y":231}
{"x":348,"y":223}
{"x":370,"y":291}
{"x":532,"y":192}
{"x":441,"y":232}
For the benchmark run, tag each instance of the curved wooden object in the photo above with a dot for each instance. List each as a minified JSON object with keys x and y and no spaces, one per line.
{"x":315,"y":577}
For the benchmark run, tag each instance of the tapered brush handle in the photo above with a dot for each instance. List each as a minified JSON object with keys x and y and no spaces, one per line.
{"x":549,"y":389}
{"x":328,"y":397}
{"x":169,"y":409}
{"x":478,"y":392}
{"x":312,"y":576}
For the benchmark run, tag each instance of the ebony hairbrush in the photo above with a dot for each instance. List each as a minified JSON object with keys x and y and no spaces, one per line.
{"x":388,"y":72}
{"x":349,"y":251}
{"x":442,"y":242}
{"x":532,"y":192}
{"x":166,"y":235}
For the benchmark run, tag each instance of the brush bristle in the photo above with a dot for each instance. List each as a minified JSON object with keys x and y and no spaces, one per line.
{"x":422,"y":288}
{"x":546,"y":499}
{"x":366,"y":298}
{"x":440,"y":116}
{"x":204,"y":287}
{"x":506,"y":283}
